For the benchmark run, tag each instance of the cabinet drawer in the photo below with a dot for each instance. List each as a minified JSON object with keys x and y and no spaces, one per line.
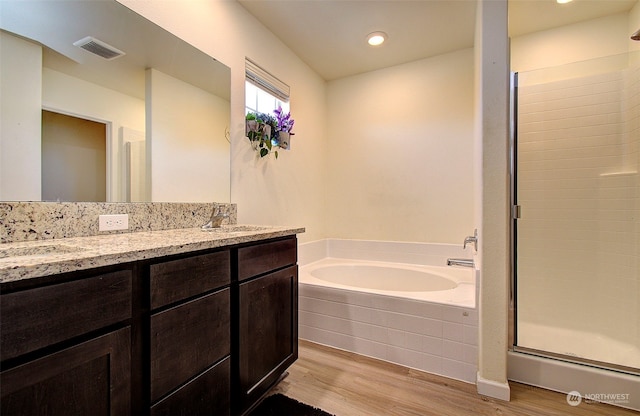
{"x":262,"y":258}
{"x":175,"y":280}
{"x":187,"y":339}
{"x":207,"y":394}
{"x":36,"y":318}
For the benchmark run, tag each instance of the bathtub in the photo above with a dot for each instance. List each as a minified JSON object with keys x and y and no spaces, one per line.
{"x":440,"y":284}
{"x":409,"y":309}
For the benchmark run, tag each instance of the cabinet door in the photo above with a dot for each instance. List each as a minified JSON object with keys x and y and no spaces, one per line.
{"x":268,"y":318}
{"x":91,"y":378}
{"x":187,"y":339}
{"x":209,"y":394}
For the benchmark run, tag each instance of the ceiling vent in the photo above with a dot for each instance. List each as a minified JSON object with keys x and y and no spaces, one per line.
{"x":97,"y":47}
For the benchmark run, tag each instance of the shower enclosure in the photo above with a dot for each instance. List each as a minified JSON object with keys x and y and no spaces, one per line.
{"x":576,"y":233}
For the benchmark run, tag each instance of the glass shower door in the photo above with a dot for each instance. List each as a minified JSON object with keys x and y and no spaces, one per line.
{"x":577,"y":266}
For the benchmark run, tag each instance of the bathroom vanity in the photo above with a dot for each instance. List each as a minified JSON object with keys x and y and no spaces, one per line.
{"x":202,"y":323}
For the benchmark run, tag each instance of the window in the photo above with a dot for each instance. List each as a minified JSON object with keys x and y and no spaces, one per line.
{"x":264,"y":92}
{"x":259,"y":100}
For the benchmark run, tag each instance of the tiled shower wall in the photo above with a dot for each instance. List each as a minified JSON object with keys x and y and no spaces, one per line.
{"x":578,"y":184}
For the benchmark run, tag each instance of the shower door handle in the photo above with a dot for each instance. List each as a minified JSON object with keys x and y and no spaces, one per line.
{"x":516,"y":211}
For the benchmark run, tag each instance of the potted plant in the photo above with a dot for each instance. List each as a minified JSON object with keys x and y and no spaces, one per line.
{"x":267,"y":132}
{"x":284,"y":125}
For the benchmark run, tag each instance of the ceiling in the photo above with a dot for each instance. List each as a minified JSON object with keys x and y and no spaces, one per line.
{"x":58,"y":24}
{"x":330,"y":35}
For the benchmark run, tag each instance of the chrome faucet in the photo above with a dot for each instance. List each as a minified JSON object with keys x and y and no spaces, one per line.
{"x":216,"y":219}
{"x":472,"y":239}
{"x":460,"y":262}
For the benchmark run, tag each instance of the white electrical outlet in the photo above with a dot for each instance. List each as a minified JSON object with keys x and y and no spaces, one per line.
{"x":113,"y":222}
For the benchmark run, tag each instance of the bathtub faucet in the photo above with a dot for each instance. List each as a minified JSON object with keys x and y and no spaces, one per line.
{"x":472,"y":239}
{"x":460,"y":262}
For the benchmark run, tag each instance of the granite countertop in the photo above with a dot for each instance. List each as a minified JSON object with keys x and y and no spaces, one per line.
{"x":30,"y":259}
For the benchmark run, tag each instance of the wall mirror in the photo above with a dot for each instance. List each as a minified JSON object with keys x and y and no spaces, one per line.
{"x":161,"y":105}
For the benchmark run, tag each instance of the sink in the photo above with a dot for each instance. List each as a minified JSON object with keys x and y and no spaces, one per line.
{"x":236,"y":229}
{"x":38,"y":250}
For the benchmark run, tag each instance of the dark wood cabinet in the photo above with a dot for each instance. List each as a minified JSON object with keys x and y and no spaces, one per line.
{"x":91,"y":378}
{"x":268,"y":331}
{"x":261,"y":258}
{"x":188,"y":339}
{"x":190,"y":335}
{"x":177,"y":280}
{"x":66,"y":347}
{"x":208,"y":394}
{"x":207,"y":333}
{"x":267,"y":317}
{"x":39,"y":317}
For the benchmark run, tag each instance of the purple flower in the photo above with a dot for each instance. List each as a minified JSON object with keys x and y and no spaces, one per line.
{"x":284,"y":121}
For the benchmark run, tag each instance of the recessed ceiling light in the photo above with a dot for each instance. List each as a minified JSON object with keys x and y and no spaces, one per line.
{"x":376,"y":38}
{"x":563,"y":1}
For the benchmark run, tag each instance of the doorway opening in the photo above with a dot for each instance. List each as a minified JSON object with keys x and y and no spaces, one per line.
{"x":74,"y":158}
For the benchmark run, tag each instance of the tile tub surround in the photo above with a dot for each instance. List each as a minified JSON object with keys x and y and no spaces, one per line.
{"x":437,"y":338}
{"x":31,"y":259}
{"x":26,"y":221}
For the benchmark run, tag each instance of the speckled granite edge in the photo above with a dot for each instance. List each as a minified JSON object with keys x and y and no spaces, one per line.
{"x":44,"y":258}
{"x":29,"y":221}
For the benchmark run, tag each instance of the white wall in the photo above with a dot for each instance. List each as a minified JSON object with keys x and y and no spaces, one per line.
{"x":287,"y":191}
{"x":73,"y":96}
{"x":188,"y":150}
{"x":572,"y":43}
{"x":20,"y":113}
{"x":400,"y":152}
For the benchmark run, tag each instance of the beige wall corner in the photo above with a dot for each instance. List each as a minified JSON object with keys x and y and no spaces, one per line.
{"x":634,"y":24}
{"x":493,"y":388}
{"x":492,"y":135}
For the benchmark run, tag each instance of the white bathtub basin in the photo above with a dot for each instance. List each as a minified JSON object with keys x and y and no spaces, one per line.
{"x":447,"y":285}
{"x":383,"y":278}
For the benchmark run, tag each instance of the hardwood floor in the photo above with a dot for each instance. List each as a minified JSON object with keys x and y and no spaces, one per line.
{"x":345,"y":384}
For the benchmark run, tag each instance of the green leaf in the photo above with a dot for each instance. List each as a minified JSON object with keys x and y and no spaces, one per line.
{"x":263,"y":152}
{"x":276,"y":153}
